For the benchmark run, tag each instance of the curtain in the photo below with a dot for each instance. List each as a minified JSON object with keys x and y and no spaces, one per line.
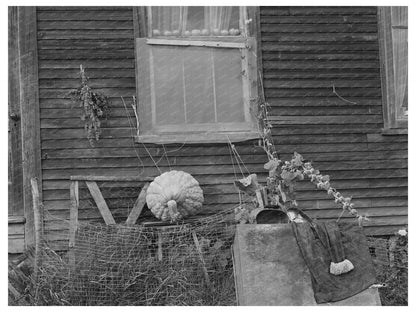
{"x":167,"y":20}
{"x":399,"y":31}
{"x":219,"y":17}
{"x":195,"y":20}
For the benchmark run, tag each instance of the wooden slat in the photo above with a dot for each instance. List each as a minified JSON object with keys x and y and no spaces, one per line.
{"x":101,"y":204}
{"x":74,"y":9}
{"x":85,"y":55}
{"x":324,"y":37}
{"x":138,"y":206}
{"x":322,"y":111}
{"x":74,"y":64}
{"x":83,"y":15}
{"x":78,"y":123}
{"x":323,"y":102}
{"x":16,"y":219}
{"x":318,"y":28}
{"x":74,"y":83}
{"x":331,"y":73}
{"x":63,"y":113}
{"x":300,"y":120}
{"x":346,"y":93}
{"x":67,"y":25}
{"x":73,"y":212}
{"x":313,"y":11}
{"x":329,"y":19}
{"x":101,"y":73}
{"x":83,"y":45}
{"x":281,"y":65}
{"x":369,"y":55}
{"x":110,"y":178}
{"x":306,"y":83}
{"x":64,"y":93}
{"x":85,"y":34}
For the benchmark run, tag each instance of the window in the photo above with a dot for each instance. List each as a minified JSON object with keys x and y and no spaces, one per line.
{"x":394,"y":61}
{"x":197,"y":76}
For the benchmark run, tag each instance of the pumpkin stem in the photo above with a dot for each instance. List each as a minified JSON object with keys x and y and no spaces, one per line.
{"x":173,"y":210}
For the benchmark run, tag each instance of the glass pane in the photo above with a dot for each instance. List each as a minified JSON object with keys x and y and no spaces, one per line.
{"x":224,"y":21}
{"x":196,"y":21}
{"x":198,"y":85}
{"x":168,"y":86}
{"x":166,"y":21}
{"x":228,"y":85}
{"x":399,"y":16}
{"x":400,"y":55}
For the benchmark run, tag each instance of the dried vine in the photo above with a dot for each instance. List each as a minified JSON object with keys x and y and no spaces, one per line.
{"x":94,"y":107}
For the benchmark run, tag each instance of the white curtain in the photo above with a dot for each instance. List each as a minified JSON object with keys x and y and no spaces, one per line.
{"x":400,"y":57}
{"x":167,"y":19}
{"x":219,"y":17}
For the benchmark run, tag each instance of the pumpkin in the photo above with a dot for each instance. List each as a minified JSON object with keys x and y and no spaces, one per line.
{"x":174,"y":195}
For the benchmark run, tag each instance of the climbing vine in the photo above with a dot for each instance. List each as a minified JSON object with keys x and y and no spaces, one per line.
{"x":94,"y":107}
{"x":283,"y":176}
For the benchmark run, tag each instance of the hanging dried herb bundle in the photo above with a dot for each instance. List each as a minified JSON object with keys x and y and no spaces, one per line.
{"x":94,"y":107}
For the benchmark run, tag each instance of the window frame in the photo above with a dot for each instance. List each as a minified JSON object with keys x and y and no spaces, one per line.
{"x":246,"y":43}
{"x":393,"y":120}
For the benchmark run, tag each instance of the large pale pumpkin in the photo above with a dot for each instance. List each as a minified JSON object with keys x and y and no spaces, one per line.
{"x":174,"y":195}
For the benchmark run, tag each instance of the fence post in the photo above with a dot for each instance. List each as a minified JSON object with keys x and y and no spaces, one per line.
{"x":38,"y":226}
{"x":73,"y":222}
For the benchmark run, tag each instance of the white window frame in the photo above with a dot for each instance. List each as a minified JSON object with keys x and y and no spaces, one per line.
{"x":394,"y":118}
{"x":149,"y":132}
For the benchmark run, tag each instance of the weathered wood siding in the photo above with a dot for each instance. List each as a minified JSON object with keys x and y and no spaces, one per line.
{"x":102,"y":40}
{"x":305,"y":51}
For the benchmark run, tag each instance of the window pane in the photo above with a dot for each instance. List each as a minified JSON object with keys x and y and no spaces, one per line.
{"x":400,"y":50}
{"x":196,"y":85}
{"x":196,"y":21}
{"x":228,"y":85}
{"x":199,"y":85}
{"x":166,"y":21}
{"x":168,"y":86}
{"x":224,"y":21}
{"x":399,"y":16}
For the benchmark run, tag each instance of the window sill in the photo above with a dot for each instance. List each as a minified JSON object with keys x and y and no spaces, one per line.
{"x":394,"y":131}
{"x":206,"y":137}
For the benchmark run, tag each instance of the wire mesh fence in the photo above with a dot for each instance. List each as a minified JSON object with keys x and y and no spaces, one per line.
{"x":184,"y":264}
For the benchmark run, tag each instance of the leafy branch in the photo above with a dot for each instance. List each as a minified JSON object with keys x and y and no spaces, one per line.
{"x":283,"y":176}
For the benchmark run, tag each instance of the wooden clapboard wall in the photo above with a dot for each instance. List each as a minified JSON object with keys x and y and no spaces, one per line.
{"x":304,"y":52}
{"x":307,"y":51}
{"x":101,"y":39}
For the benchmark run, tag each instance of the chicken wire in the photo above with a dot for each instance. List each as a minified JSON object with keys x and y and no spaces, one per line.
{"x":181,"y":264}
